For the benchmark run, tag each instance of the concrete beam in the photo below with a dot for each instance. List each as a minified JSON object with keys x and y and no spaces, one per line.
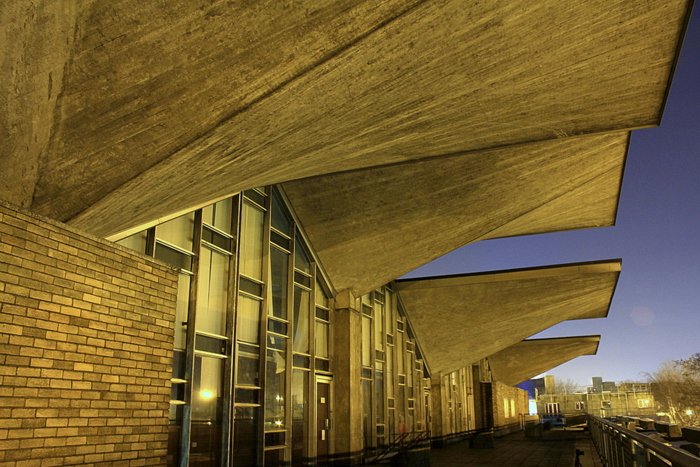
{"x":163,"y":108}
{"x":461,"y":319}
{"x":371,"y":226}
{"x":531,"y":357}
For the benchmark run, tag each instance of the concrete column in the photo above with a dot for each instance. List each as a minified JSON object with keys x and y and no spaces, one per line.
{"x":438,"y":415}
{"x":347,"y":370}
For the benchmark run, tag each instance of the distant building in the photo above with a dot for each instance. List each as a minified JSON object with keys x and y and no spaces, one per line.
{"x":602,"y":398}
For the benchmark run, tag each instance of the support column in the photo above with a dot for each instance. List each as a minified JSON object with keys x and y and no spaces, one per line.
{"x":347,"y":388}
{"x":437,"y":417}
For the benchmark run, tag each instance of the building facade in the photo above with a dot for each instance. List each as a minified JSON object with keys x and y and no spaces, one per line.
{"x":268,"y":175}
{"x":603,"y":399}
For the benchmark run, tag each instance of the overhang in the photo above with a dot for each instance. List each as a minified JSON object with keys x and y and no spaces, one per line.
{"x":142,"y":111}
{"x":371,"y":226}
{"x":462,"y":319}
{"x":531,"y":357}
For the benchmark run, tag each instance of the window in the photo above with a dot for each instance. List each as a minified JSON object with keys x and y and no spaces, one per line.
{"x":643,"y":403}
{"x":580,"y":405}
{"x":551,"y":408}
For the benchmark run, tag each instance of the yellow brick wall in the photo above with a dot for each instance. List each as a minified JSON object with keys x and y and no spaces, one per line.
{"x":502,"y":392}
{"x":86,"y":338}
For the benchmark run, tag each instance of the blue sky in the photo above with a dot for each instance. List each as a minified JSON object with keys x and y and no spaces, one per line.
{"x":655,"y":313}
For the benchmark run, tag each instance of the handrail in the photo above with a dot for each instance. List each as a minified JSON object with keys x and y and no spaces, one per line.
{"x":609,"y":439}
{"x":402,"y":441}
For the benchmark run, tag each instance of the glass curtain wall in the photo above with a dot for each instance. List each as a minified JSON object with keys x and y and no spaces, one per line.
{"x":393,"y":373}
{"x":243,"y":374}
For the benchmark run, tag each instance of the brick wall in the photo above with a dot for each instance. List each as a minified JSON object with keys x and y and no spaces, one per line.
{"x":85,"y":347}
{"x":501,"y":393}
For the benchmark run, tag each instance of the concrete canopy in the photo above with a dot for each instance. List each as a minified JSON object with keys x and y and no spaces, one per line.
{"x":462,"y":319}
{"x":146,"y":109}
{"x":371,"y":226}
{"x":530,"y":357}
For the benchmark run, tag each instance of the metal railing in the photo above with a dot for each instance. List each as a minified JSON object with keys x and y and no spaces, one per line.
{"x":400,"y":442}
{"x":619,"y":447}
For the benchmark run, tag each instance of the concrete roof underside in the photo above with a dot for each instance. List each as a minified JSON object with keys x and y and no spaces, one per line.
{"x":118,"y":113}
{"x":529,"y":358}
{"x":371,"y":226}
{"x":462,"y":319}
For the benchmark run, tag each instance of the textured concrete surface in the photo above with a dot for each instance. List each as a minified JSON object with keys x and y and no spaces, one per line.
{"x":461,"y":319}
{"x":531,"y":357}
{"x":371,"y":226}
{"x":154,"y":108}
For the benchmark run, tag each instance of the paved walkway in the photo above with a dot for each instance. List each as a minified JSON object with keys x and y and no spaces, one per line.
{"x":556,"y":448}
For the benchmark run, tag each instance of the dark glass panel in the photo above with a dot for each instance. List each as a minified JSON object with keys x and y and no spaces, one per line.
{"x":275,"y":438}
{"x":173,"y":257}
{"x":280,"y":217}
{"x":323,"y":314}
{"x":247,"y":396}
{"x":280,"y":240}
{"x":279,"y":266}
{"x":210,"y":344}
{"x":255,"y":196}
{"x":300,"y":405}
{"x":301,"y":361}
{"x":277,"y":326}
{"x":216,"y":238}
{"x":323,"y":365}
{"x":248,"y":369}
{"x":302,"y":279}
{"x":251,"y":287}
{"x":245,"y":436}
{"x":275,"y":390}
{"x":302,"y":259}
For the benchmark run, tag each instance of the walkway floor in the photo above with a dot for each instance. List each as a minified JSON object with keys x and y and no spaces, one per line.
{"x":556,"y":448}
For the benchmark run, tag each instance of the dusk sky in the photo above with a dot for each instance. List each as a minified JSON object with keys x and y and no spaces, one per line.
{"x":655,"y":313}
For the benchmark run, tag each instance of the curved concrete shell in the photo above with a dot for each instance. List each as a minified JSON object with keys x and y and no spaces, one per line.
{"x":371,"y":226}
{"x":531,"y":357}
{"x":462,"y":319}
{"x":147,"y":109}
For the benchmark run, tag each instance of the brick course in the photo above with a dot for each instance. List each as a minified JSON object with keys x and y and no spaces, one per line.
{"x":86,"y":338}
{"x":501,"y":392}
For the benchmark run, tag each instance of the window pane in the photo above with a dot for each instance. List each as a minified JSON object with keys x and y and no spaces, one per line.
{"x":274,"y":390}
{"x":207,"y":398}
{"x":211,"y":292}
{"x":321,"y":298}
{"x":302,"y":259}
{"x":251,"y":241}
{"x":378,"y":325}
{"x":366,"y":341}
{"x":300,"y":404}
{"x":248,"y":320}
{"x":173,"y":257}
{"x":321,"y":339}
{"x":136,"y":242}
{"x":178,"y":231}
{"x":279,"y":264}
{"x":280,"y":217}
{"x":400,"y":355}
{"x":390,"y":371}
{"x":245,"y":436}
{"x":379,"y":393}
{"x":183,"y":298}
{"x":301,"y":320}
{"x":367,"y":411}
{"x":248,"y":372}
{"x":219,"y":215}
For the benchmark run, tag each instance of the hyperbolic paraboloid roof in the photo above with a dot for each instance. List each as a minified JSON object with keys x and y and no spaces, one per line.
{"x":531,"y":357}
{"x":117,"y":116}
{"x":462,"y":319}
